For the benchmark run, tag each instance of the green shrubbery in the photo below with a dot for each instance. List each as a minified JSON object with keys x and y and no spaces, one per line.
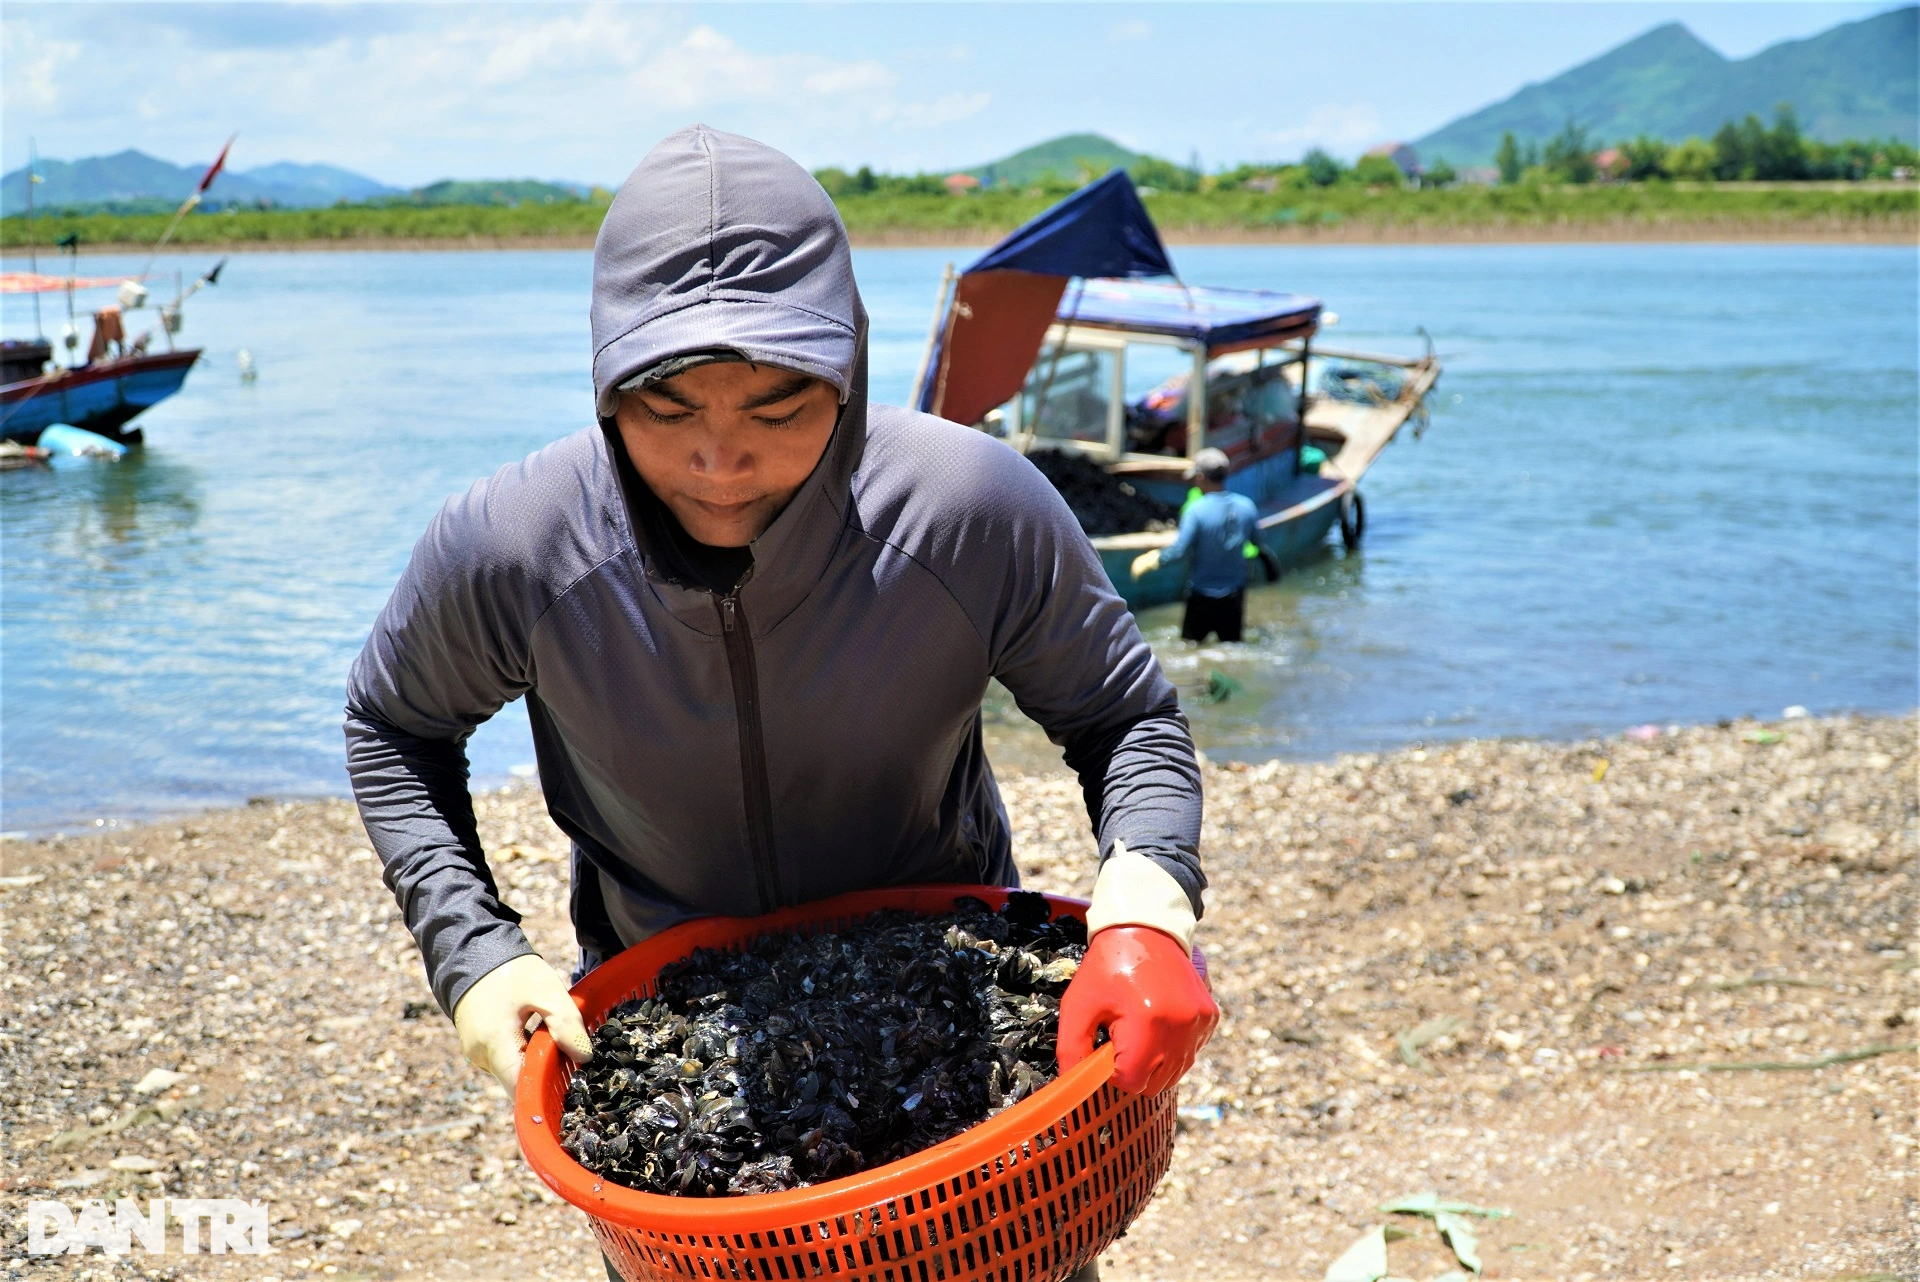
{"x":1293,"y":203}
{"x":1743,"y":151}
{"x":1549,"y":187}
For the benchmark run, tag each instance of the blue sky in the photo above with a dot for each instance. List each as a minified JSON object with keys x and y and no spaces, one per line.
{"x":409,"y":93}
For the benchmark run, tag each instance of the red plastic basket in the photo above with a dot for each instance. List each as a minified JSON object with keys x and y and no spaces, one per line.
{"x":1029,"y":1195}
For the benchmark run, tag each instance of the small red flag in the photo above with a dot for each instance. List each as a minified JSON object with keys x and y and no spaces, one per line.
{"x":213,"y":171}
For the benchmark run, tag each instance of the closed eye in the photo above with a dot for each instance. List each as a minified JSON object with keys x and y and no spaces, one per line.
{"x":784,"y":420}
{"x":658,"y":417}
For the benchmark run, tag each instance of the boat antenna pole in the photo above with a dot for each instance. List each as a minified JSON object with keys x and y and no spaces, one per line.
{"x":33,"y":253}
{"x":71,"y":243}
{"x":933,"y":336}
{"x":191,"y":202}
{"x":1053,"y":366}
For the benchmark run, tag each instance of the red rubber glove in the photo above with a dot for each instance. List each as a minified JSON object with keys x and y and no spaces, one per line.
{"x":1140,"y":985}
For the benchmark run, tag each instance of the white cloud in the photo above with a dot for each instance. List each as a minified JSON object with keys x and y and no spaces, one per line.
{"x":709,"y":69}
{"x":34,"y":67}
{"x":578,"y":42}
{"x":1133,"y":29}
{"x":543,"y":91}
{"x":944,"y":110}
{"x":1345,"y":129}
{"x":852,"y":77}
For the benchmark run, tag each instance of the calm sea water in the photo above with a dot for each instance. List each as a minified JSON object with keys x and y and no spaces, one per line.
{"x":1663,"y":483}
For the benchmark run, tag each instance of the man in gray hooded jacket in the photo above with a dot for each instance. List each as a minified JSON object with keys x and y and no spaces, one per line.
{"x":753,"y":618}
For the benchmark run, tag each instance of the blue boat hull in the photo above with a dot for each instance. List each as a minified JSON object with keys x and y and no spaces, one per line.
{"x":102,"y":397}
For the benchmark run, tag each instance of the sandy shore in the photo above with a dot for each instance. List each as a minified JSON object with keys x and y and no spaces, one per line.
{"x":1731,"y":231}
{"x":1623,"y":930}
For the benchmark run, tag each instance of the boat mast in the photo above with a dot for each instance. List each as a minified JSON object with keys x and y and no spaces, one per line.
{"x":33,"y":254}
{"x":933,"y":337}
{"x":71,"y":243}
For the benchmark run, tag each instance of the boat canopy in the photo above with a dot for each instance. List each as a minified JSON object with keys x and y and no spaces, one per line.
{"x":1102,"y":236}
{"x":1100,"y":230}
{"x":1004,"y":302}
{"x":1222,"y":320}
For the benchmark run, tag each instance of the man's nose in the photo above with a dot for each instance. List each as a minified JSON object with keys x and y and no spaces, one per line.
{"x":718,"y":455}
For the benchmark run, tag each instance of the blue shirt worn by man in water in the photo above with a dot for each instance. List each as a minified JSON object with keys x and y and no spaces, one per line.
{"x":1214,"y":531}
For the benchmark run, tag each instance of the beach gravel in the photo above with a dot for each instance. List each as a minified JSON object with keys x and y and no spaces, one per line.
{"x":1532,"y":976}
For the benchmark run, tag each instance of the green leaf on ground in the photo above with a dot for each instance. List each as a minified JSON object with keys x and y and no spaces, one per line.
{"x":1458,"y":1231}
{"x":1428,"y":1203}
{"x":1364,"y":1261}
{"x":1410,"y":1040}
{"x":1221,"y":687}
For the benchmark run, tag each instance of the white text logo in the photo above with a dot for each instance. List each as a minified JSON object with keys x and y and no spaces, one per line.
{"x":230,"y":1224}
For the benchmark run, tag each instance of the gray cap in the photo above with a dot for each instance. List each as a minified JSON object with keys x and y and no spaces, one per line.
{"x":716,"y":242}
{"x":1209,"y":463}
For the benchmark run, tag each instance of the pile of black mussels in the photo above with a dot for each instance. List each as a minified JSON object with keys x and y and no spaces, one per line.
{"x":1102,"y":502}
{"x":804,"y":1058}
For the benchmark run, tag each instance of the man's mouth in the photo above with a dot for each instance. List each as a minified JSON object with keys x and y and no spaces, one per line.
{"x":734,"y":508}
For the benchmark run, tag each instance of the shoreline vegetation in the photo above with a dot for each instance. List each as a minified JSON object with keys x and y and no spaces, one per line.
{"x":1748,"y":183}
{"x":1655,"y":996}
{"x":1882,"y":212}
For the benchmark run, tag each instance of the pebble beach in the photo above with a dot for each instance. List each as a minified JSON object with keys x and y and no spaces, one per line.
{"x":1656,"y":998}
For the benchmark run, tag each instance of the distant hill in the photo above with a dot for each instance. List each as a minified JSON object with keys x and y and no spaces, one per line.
{"x":133,"y":182}
{"x":1064,"y":156}
{"x":133,"y":178}
{"x":1858,"y":80}
{"x":510,"y":192}
{"x":340,"y":184}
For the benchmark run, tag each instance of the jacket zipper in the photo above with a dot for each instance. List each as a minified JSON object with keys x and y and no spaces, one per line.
{"x":753,"y":745}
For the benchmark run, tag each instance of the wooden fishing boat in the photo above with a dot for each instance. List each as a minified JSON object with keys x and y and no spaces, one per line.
{"x":1058,"y":339}
{"x":119,"y":380}
{"x":101,"y":396}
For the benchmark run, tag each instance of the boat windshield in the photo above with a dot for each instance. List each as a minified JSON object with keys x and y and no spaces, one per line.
{"x":1252,"y":401}
{"x":1112,"y":397}
{"x":1073,"y":397}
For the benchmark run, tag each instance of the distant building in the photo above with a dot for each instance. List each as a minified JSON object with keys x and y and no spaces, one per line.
{"x":1404,"y":157}
{"x":960,"y":184}
{"x":1480,"y":175}
{"x":1612,"y":164}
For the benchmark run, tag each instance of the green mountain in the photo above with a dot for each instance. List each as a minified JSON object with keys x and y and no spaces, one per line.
{"x":512,"y":191}
{"x":133,"y":179}
{"x":1858,"y":80}
{"x":1065,"y":156}
{"x":134,"y":182}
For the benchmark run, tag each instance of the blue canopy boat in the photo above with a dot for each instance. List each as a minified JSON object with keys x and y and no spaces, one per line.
{"x":1060,"y":339}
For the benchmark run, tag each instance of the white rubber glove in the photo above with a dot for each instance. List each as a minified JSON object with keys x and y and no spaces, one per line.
{"x":492,"y":1017}
{"x":1146,"y":563}
{"x":1132,"y":890}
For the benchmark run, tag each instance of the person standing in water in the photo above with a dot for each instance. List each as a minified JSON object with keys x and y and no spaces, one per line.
{"x":1215,"y":531}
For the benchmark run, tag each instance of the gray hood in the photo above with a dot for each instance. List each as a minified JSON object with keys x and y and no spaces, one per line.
{"x":717,"y":241}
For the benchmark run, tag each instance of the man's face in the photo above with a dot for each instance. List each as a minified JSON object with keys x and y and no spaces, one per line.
{"x":727,"y":445}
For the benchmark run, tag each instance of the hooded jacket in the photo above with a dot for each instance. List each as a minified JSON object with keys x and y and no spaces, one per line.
{"x":814,"y":731}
